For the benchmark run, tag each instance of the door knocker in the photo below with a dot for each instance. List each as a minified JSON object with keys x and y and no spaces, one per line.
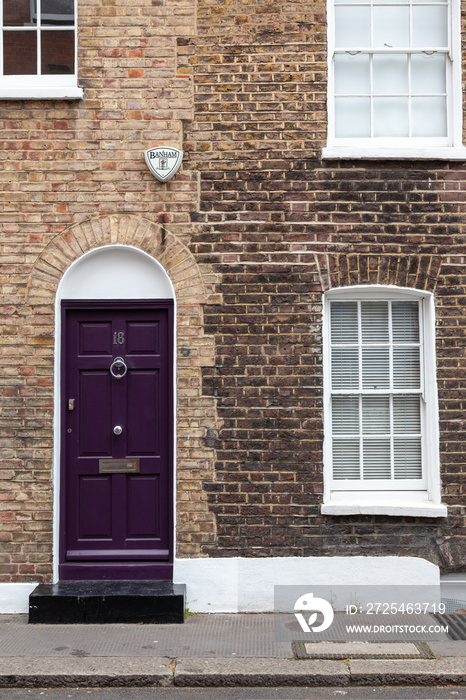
{"x":118,"y":363}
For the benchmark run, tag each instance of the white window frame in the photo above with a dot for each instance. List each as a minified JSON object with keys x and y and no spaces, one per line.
{"x":414,"y":499}
{"x":449,"y":148}
{"x":38,"y":87}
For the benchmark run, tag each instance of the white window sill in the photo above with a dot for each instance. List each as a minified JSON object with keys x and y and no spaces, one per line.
{"x":56,"y":93}
{"x":388,"y":506}
{"x":377,"y":153}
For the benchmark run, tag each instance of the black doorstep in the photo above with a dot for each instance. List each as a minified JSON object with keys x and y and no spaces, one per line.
{"x":98,"y":602}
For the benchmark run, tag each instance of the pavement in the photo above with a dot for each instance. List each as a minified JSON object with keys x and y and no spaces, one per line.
{"x":212,"y":650}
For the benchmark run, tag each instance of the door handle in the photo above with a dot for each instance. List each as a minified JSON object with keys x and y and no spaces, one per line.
{"x":118,"y":430}
{"x":118,"y":363}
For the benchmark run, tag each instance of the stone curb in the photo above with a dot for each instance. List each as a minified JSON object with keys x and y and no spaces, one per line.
{"x":100,"y":672}
{"x":259,"y":672}
{"x":96,"y":672}
{"x":408,"y":672}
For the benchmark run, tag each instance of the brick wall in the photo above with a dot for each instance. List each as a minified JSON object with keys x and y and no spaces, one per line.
{"x":256,"y":226}
{"x":281,"y":226}
{"x":73,"y":177}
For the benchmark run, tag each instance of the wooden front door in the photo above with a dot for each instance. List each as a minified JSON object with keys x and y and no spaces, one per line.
{"x":117,"y":441}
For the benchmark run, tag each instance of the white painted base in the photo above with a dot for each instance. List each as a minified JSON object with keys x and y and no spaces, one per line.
{"x":14,"y":597}
{"x":247,"y":585}
{"x":454,"y":586}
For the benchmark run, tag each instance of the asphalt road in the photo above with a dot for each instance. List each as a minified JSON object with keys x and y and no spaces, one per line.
{"x":369,"y":693}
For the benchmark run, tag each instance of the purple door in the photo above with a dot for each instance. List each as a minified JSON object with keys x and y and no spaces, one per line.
{"x":116,"y":480}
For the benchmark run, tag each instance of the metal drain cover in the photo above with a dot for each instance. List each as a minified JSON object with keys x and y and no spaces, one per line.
{"x":362,"y":650}
{"x":456,"y":624}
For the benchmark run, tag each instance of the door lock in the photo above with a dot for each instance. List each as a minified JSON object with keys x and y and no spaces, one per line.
{"x":118,"y":430}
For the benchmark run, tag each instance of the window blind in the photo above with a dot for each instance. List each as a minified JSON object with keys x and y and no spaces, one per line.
{"x":376,"y":391}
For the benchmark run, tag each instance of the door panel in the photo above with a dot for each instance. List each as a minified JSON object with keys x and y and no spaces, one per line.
{"x":117,"y":524}
{"x":142,"y":491}
{"x":94,"y":408}
{"x":143,"y":338}
{"x":95,"y":338}
{"x":95,"y":507}
{"x":143,"y":403}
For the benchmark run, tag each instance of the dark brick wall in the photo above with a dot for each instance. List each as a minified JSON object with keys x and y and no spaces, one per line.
{"x":281,"y":225}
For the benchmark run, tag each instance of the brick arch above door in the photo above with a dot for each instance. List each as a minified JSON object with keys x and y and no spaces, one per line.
{"x":193,"y":286}
{"x":186,"y":276}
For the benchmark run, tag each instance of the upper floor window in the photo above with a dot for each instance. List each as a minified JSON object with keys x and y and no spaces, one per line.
{"x":395,"y":79}
{"x":38,"y":49}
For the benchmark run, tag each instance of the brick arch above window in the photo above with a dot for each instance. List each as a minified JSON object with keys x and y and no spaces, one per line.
{"x":348,"y":269}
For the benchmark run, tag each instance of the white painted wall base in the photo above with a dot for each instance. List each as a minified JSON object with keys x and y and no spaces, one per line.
{"x":14,"y":597}
{"x":453,"y":586}
{"x":247,"y":585}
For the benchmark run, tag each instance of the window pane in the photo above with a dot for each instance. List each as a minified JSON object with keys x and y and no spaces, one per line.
{"x":391,"y":26}
{"x":430,"y":26}
{"x":344,"y":322}
{"x":391,"y":116}
{"x":57,"y":12}
{"x":57,"y":52}
{"x":408,"y":458}
{"x":345,"y":369}
{"x":436,"y":123}
{"x":374,"y":322}
{"x":406,"y":414}
{"x":352,"y":117}
{"x":346,"y":459}
{"x":16,"y":13}
{"x":405,"y":320}
{"x":20,"y":53}
{"x":345,"y":415}
{"x":390,"y":74}
{"x":352,"y":26}
{"x":428,"y":73}
{"x":376,"y":414}
{"x":376,"y":458}
{"x":406,"y":368}
{"x":375,"y":368}
{"x":352,"y":74}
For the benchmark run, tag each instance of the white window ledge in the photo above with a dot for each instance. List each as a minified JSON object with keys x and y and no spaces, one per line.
{"x":70,"y":93}
{"x":361,"y":153}
{"x":389,"y":506}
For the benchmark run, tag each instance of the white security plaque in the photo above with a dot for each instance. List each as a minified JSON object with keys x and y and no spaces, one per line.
{"x":163,"y":162}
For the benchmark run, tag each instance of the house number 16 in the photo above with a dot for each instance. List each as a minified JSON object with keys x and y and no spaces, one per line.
{"x":119,"y":338}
